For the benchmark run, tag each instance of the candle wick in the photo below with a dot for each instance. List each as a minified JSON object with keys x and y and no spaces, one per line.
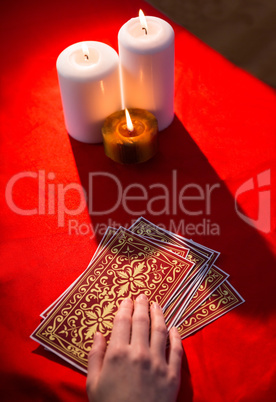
{"x":86,"y":57}
{"x":146,"y":32}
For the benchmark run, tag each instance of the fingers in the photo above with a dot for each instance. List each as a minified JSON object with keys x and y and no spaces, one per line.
{"x":159,"y":331}
{"x":95,"y":357}
{"x":176,"y":352}
{"x":122,"y":323}
{"x":140,"y":322}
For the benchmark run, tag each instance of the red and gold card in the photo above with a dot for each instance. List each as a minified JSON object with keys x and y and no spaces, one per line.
{"x":180,"y":250}
{"x":200,"y":255}
{"x":176,"y":272}
{"x":148,"y":230}
{"x":145,"y":228}
{"x":191,"y":301}
{"x":184,"y":297}
{"x":127,"y":266}
{"x":180,"y":310}
{"x":224,"y":299}
{"x":212,"y":254}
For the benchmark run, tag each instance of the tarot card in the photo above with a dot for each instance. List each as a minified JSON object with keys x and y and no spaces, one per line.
{"x":182,"y":310}
{"x":224,"y":299}
{"x":128,"y":265}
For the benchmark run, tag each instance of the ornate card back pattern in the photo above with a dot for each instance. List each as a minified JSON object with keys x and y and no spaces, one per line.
{"x":127,"y":266}
{"x":180,"y":310}
{"x":224,"y":299}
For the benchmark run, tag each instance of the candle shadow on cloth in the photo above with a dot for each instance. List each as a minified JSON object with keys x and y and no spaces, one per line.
{"x":28,"y":385}
{"x":119,"y":194}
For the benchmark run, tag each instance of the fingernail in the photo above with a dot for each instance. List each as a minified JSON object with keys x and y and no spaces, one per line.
{"x":142,"y":297}
{"x":96,"y":336}
{"x":156,"y":306}
{"x":126,"y":301}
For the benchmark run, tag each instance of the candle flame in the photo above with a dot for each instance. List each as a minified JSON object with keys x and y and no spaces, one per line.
{"x":143,"y":21}
{"x":85,"y":51}
{"x":128,"y":121}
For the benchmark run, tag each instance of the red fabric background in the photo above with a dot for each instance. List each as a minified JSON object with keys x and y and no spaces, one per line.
{"x":223,"y":133}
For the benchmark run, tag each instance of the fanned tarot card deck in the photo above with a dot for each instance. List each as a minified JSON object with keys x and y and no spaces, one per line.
{"x":177,"y":273}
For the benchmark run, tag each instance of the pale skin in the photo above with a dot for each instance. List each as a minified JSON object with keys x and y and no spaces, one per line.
{"x":135,"y":367}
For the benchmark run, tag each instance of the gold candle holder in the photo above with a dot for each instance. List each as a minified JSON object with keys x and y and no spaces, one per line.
{"x":133,"y":141}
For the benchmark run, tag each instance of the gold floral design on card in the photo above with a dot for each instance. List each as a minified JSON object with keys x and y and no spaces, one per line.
{"x":128,"y":266}
{"x":224,"y":299}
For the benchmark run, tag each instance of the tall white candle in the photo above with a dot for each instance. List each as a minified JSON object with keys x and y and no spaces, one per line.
{"x":89,"y":80}
{"x":147,"y":67}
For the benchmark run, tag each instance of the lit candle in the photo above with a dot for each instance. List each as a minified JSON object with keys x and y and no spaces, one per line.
{"x":130,"y":136}
{"x":89,"y":80}
{"x":146,"y":52}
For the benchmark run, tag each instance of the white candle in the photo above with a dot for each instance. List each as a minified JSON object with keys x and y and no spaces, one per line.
{"x":89,"y":80}
{"x":147,"y":67}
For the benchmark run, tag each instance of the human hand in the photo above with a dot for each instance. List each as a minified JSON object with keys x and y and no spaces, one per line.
{"x":134,"y":367}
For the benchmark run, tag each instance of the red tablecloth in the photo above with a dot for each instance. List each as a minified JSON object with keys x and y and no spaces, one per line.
{"x":223,"y":135}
